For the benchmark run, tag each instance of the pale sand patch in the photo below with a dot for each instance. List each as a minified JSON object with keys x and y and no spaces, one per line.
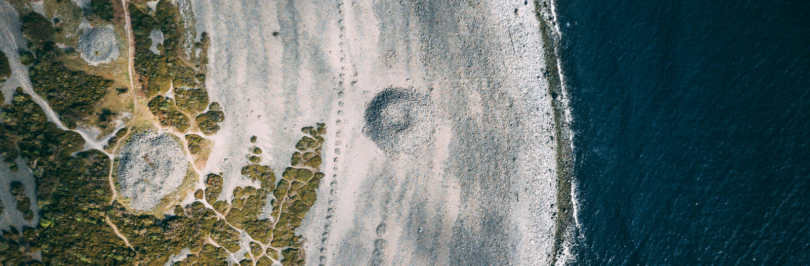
{"x":157,"y":39}
{"x":11,"y":216}
{"x":472,"y":184}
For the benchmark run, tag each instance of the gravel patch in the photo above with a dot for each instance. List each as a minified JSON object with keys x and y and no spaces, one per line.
{"x":98,"y":46}
{"x":151,"y":166}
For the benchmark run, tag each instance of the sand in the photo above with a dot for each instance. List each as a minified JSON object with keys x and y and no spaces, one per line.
{"x":458,"y":170}
{"x":11,"y":216}
{"x":98,"y":45}
{"x":151,"y":166}
{"x":157,"y":39}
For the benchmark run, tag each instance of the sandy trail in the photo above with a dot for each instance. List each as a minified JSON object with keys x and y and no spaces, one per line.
{"x":464,"y":177}
{"x":115,"y":230}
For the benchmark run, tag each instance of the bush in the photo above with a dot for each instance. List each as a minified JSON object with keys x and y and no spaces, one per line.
{"x":166,"y":113}
{"x":190,"y":100}
{"x":102,"y":8}
{"x":5,"y":69}
{"x":208,"y":122}
{"x":26,"y":58}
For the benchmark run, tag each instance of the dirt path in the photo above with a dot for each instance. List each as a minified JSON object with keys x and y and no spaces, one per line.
{"x":115,"y":229}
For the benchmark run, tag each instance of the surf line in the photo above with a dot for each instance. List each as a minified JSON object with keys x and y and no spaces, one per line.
{"x":566,"y":229}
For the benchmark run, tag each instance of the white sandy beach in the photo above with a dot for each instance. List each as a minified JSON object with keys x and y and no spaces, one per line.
{"x":469,"y":181}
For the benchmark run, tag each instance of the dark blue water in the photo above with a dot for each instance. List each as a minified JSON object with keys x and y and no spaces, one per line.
{"x":692,"y":123}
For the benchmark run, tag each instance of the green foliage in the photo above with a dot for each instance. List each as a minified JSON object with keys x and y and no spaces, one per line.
{"x":71,"y":94}
{"x":23,"y":202}
{"x":225,"y":236}
{"x":37,"y":29}
{"x":5,"y":68}
{"x":264,"y":261}
{"x":74,"y":231}
{"x":294,"y":196}
{"x":245,"y":214}
{"x":195,"y":143}
{"x":159,"y":71}
{"x":27,"y":132}
{"x":166,"y":113}
{"x":213,"y":187}
{"x":212,"y":256}
{"x":208,"y":121}
{"x":253,"y":139}
{"x":10,"y":250}
{"x":199,"y":194}
{"x":190,"y":260}
{"x":190,"y":100}
{"x":272,"y":253}
{"x":102,"y":8}
{"x":256,"y":249}
{"x":27,"y":58}
{"x":114,"y":139}
{"x":292,"y":257}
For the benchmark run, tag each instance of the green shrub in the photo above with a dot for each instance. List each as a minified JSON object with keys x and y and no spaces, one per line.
{"x":195,"y":143}
{"x":37,"y":29}
{"x":27,"y":58}
{"x":208,"y":121}
{"x":213,"y":187}
{"x":191,"y":100}
{"x":225,"y":236}
{"x":102,"y":8}
{"x":5,"y":68}
{"x":164,"y":109}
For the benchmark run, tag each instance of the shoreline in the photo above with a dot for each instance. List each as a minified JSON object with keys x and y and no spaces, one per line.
{"x":565,"y":226}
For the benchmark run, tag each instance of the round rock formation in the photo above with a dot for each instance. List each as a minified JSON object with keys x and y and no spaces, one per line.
{"x":98,"y":46}
{"x":398,"y":120}
{"x":151,"y":166}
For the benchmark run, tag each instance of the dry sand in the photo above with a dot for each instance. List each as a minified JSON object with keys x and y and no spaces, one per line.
{"x":157,"y":39}
{"x":11,"y":216}
{"x":456,"y":169}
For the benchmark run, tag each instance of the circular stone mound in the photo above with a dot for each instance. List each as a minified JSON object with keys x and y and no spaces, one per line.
{"x":98,"y":46}
{"x":398,"y":120}
{"x":151,"y":166}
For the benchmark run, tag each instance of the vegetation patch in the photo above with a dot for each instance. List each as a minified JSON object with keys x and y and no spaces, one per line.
{"x":158,"y":72}
{"x":23,"y":202}
{"x":70,"y":93}
{"x":5,"y":68}
{"x":167,"y":114}
{"x":120,"y":134}
{"x":208,"y":122}
{"x":191,"y":100}
{"x":213,"y":187}
{"x":225,"y":236}
{"x":103,"y":9}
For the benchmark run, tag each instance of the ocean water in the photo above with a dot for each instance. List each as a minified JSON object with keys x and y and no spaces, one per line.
{"x":692,"y":130}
